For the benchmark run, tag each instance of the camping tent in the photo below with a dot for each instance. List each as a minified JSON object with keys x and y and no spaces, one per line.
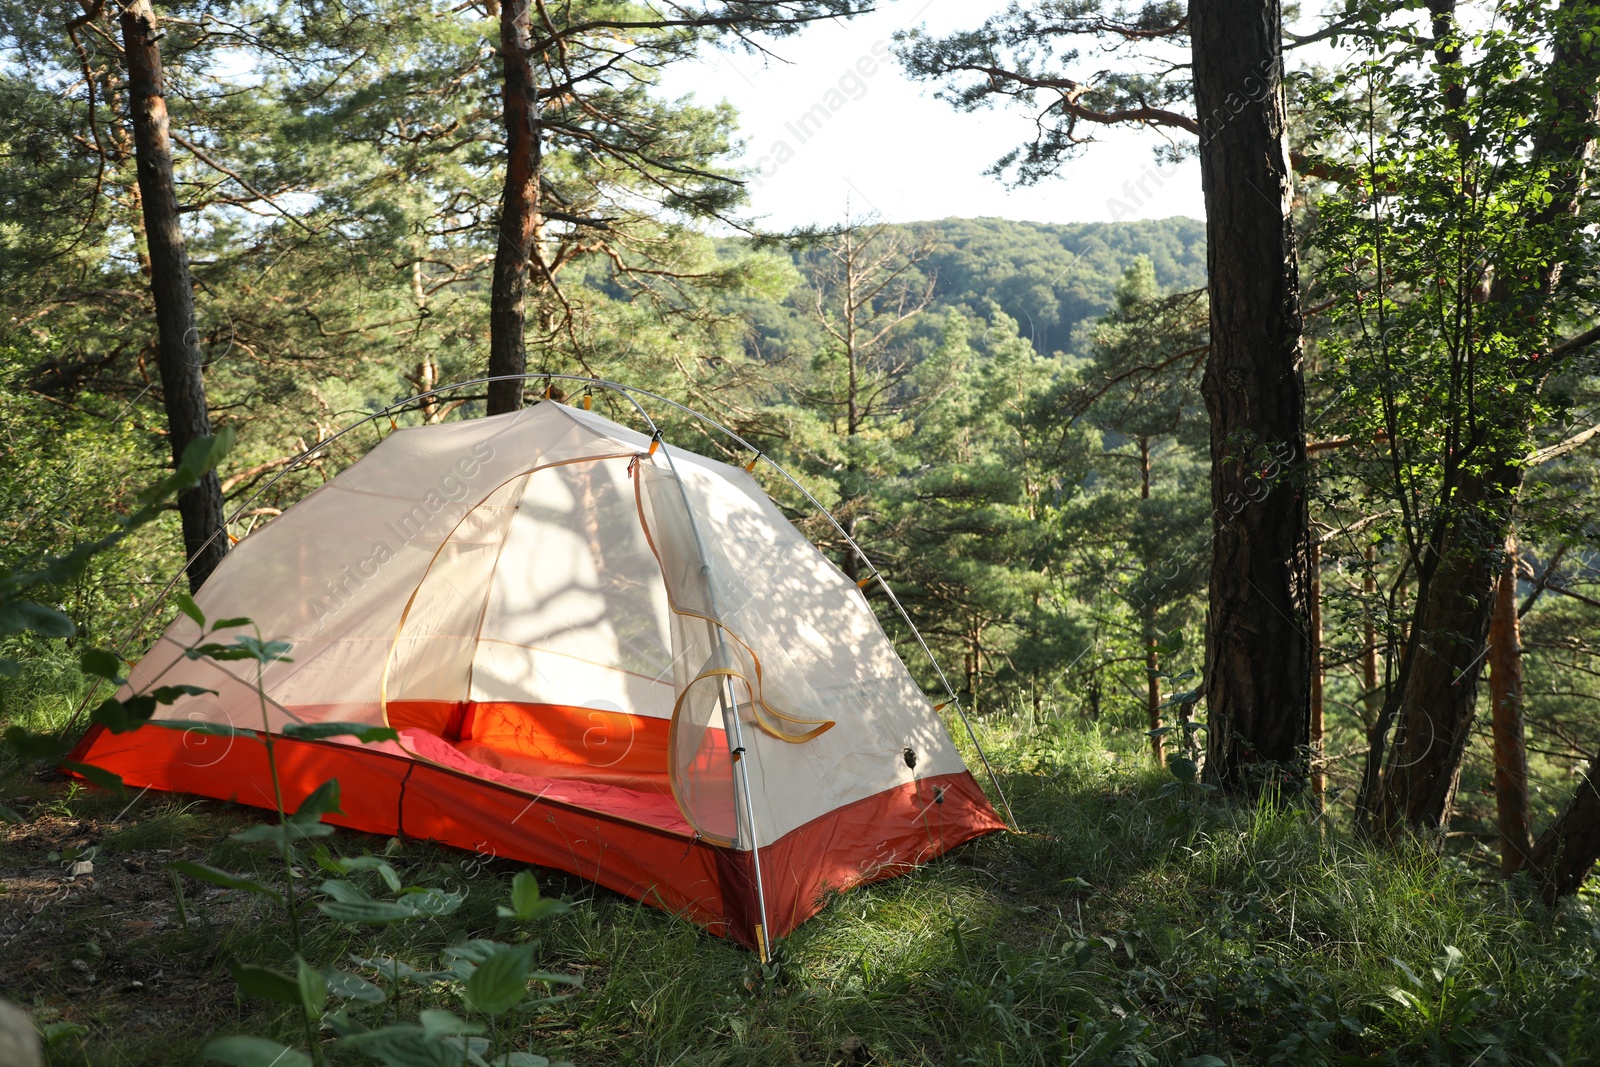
{"x":599,"y":654}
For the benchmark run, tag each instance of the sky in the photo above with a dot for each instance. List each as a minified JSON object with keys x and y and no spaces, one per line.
{"x":880,"y":144}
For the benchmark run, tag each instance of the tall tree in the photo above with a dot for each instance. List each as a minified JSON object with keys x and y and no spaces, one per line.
{"x":183,"y":390}
{"x":1140,"y":390}
{"x":1505,"y":698}
{"x":1258,"y":651}
{"x":575,"y":75}
{"x":519,"y":206}
{"x":1471,"y":219}
{"x":867,"y":286}
{"x":1258,"y":662}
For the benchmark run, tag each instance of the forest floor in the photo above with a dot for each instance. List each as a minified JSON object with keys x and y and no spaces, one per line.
{"x":1135,"y":922}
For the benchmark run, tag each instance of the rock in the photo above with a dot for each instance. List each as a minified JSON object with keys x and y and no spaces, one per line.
{"x":853,"y":1050}
{"x":19,"y":1041}
{"x":82,"y":867}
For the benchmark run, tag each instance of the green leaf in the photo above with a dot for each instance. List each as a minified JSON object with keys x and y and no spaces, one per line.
{"x":1183,"y":768}
{"x":394,"y":969}
{"x":24,"y":616}
{"x":324,"y":800}
{"x":371,"y":912}
{"x":349,"y":986}
{"x":187,"y":605}
{"x":229,"y":624}
{"x":473,"y":951}
{"x":268,"y":984}
{"x":501,"y":980}
{"x":32,"y":746}
{"x":224,"y":879}
{"x":55,"y":1033}
{"x":433,"y":901}
{"x":525,"y":898}
{"x":102,"y":778}
{"x":285,"y":834}
{"x":342,"y":1025}
{"x":263,"y":651}
{"x":9,"y":815}
{"x":1188,"y":696}
{"x":121,"y":716}
{"x":101,"y":664}
{"x":243,"y":647}
{"x":406,"y":1045}
{"x":169,"y":694}
{"x":371,"y":863}
{"x":436,"y":1022}
{"x":254,"y":1052}
{"x":313,"y":988}
{"x":366,"y":733}
{"x":345,"y":892}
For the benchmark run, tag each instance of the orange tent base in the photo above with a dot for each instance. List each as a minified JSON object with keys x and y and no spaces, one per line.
{"x":386,"y":790}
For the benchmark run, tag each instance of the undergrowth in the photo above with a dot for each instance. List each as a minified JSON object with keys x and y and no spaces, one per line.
{"x":1130,"y":923}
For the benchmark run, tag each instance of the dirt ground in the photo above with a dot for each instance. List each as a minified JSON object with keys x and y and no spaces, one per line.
{"x":92,"y":929}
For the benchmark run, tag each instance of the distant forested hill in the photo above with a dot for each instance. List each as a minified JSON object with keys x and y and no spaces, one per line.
{"x":1050,"y":277}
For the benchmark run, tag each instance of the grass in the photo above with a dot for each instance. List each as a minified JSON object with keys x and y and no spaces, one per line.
{"x":1123,"y":927}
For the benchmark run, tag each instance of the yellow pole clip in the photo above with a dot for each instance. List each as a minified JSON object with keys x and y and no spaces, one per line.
{"x":751,"y":466}
{"x":763,"y":950}
{"x":655,"y":443}
{"x":863,"y":583}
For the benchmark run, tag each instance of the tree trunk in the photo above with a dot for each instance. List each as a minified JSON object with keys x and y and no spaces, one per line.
{"x":1147,"y":613}
{"x":519,"y":210}
{"x":1505,"y":693}
{"x":1258,"y":653}
{"x":178,"y":360}
{"x":1319,"y":780}
{"x":852,"y":408}
{"x":1372,"y":697}
{"x":1566,"y":851}
{"x":1433,"y":705}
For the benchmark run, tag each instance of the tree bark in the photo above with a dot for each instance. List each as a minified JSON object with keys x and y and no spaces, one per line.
{"x":1566,"y":852}
{"x":1434,"y":704}
{"x":1510,"y":745}
{"x":178,"y":360}
{"x":1372,"y":697}
{"x":519,"y":209}
{"x":1147,"y":612}
{"x":1258,"y":653}
{"x":1319,"y":780}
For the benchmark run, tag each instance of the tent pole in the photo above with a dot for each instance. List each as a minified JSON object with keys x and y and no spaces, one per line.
{"x":626,"y":391}
{"x":730,"y":707}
